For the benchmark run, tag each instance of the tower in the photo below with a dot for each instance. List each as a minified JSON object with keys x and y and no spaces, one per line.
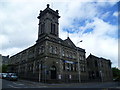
{"x":48,"y":23}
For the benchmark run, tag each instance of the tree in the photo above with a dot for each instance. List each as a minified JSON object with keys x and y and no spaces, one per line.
{"x":0,"y":68}
{"x":4,"y":68}
{"x":116,"y":72}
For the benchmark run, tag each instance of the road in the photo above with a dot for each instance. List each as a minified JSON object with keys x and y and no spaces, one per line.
{"x":30,"y":84}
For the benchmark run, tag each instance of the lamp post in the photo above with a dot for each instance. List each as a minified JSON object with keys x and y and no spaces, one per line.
{"x":39,"y":71}
{"x":78,"y":63}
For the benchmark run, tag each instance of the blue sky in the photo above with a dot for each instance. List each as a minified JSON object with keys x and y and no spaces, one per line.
{"x":93,"y":21}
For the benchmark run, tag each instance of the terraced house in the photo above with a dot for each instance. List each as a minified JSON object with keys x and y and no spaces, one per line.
{"x":51,"y":59}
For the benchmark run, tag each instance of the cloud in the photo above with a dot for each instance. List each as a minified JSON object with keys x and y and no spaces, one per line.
{"x":105,"y":15}
{"x":19,"y":25}
{"x":116,"y":14}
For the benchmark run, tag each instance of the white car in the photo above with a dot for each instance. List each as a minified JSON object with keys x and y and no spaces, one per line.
{"x":12,"y":76}
{"x":4,"y":75}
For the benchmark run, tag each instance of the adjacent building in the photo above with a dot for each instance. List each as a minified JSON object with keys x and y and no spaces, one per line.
{"x":51,"y":59}
{"x":99,"y":69}
{"x":4,"y":60}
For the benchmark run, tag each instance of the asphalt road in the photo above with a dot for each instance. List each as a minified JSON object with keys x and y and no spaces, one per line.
{"x":30,"y":84}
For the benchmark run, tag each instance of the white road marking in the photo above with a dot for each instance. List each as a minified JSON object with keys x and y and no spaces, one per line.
{"x":18,"y":83}
{"x":43,"y":86}
{"x":13,"y":86}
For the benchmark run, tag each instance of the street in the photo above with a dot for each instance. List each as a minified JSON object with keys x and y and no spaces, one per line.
{"x":30,"y":84}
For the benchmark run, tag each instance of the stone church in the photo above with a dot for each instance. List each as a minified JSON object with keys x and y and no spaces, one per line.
{"x":51,"y":59}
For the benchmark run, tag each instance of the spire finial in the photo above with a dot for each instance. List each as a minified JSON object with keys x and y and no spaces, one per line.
{"x":68,"y":33}
{"x":48,"y":5}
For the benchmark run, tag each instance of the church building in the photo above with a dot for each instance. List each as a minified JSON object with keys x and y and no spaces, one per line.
{"x":51,"y":59}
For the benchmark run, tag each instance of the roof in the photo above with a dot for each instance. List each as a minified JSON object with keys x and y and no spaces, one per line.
{"x":48,"y":10}
{"x":69,"y":42}
{"x":100,"y":58}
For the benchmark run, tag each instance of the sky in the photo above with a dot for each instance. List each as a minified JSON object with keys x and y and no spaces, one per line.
{"x":93,"y":21}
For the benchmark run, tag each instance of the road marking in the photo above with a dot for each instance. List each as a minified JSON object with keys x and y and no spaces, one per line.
{"x":18,"y":83}
{"x":43,"y":86}
{"x":13,"y":86}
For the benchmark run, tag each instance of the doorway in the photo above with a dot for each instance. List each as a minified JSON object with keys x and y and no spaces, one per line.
{"x":53,"y":72}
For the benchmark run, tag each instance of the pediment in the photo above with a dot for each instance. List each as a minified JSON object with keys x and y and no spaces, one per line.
{"x":69,"y":42}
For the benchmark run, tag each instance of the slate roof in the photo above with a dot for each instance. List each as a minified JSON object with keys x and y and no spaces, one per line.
{"x":93,"y":56}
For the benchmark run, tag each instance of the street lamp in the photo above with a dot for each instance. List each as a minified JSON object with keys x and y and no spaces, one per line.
{"x":39,"y":71}
{"x":78,"y":62}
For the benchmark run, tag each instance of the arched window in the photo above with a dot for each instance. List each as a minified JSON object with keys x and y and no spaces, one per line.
{"x":52,"y":28}
{"x":55,"y":51}
{"x":51,"y":49}
{"x":42,"y":28}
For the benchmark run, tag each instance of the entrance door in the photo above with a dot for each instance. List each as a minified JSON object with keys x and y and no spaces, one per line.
{"x":53,"y":72}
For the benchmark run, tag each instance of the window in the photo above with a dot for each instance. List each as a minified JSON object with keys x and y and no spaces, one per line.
{"x":70,"y":54}
{"x":68,"y":68}
{"x":53,"y":28}
{"x":82,"y":68}
{"x":37,"y":66}
{"x":70,"y":76}
{"x":67,"y":54}
{"x":41,"y":49}
{"x":55,"y":51}
{"x":96,"y":64}
{"x":97,"y":73}
{"x":51,"y":49}
{"x":63,"y":66}
{"x":75,"y":67}
{"x":74,"y":55}
{"x":42,"y":28}
{"x":71,"y":67}
{"x":80,"y":58}
{"x":109,"y":64}
{"x":63,"y":53}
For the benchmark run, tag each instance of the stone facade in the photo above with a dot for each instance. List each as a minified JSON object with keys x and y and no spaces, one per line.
{"x":99,"y":69}
{"x":51,"y":59}
{"x":4,"y":60}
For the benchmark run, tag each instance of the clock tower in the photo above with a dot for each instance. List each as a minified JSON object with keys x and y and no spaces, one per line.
{"x":48,"y":23}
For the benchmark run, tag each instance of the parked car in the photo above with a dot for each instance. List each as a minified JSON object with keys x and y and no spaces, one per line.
{"x":4,"y":75}
{"x":117,"y":79}
{"x":12,"y":76}
{"x":0,"y":75}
